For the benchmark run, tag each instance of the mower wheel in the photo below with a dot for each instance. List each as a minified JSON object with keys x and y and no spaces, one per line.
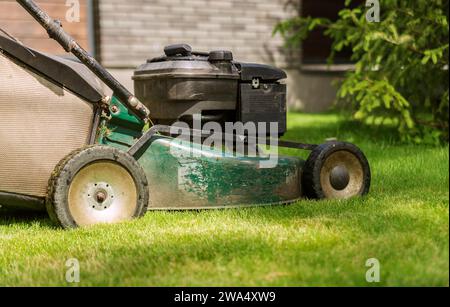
{"x":336,"y":170}
{"x":96,"y":185}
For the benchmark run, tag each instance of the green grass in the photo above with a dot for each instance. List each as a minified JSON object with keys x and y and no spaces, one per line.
{"x":404,"y":223}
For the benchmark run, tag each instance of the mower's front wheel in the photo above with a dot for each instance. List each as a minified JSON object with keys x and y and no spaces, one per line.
{"x":96,"y":185}
{"x":336,"y":170}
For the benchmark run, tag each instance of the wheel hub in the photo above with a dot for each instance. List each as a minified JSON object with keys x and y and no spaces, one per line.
{"x":339,"y":177}
{"x":100,"y":196}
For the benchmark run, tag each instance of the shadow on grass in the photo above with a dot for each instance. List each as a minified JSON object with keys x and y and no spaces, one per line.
{"x":9,"y":217}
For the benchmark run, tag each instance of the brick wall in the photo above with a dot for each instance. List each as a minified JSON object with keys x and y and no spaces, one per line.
{"x":16,"y":21}
{"x":135,"y":30}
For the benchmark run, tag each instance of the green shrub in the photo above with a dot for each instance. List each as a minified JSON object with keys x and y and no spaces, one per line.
{"x":401,"y":72}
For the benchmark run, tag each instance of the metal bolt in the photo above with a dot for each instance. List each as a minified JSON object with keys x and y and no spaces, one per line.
{"x":106,"y":100}
{"x":115,"y":109}
{"x":255,"y":83}
{"x":101,"y":197}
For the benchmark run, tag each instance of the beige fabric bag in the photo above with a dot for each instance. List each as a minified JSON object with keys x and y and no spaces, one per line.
{"x":40,"y":123}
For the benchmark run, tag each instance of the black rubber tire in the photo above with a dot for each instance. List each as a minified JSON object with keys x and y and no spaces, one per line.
{"x":311,"y":178}
{"x":61,"y":179}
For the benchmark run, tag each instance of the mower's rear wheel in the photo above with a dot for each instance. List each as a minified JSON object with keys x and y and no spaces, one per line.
{"x":97,"y":185}
{"x":336,"y":170}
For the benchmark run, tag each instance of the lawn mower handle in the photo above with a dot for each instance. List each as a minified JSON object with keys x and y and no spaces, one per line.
{"x":56,"y":32}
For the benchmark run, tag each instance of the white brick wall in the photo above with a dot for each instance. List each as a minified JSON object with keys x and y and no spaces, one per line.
{"x":135,"y":30}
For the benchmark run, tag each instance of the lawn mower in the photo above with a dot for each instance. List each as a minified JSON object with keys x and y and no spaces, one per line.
{"x":88,"y":158}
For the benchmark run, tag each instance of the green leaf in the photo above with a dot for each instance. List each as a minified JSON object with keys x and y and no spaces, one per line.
{"x":398,"y":63}
{"x":434,"y":58}
{"x":425,"y":59}
{"x":387,"y":101}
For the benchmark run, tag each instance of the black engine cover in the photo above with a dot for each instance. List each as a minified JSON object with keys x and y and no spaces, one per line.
{"x":184,"y":83}
{"x":264,"y":104}
{"x":262,"y":98}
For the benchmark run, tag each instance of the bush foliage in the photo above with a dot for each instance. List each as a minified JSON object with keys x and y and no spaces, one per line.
{"x":401,"y":63}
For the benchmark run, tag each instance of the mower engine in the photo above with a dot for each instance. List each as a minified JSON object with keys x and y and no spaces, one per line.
{"x":183,"y":83}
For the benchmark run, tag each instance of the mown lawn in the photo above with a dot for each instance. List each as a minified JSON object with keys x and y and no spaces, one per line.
{"x":404,"y":223}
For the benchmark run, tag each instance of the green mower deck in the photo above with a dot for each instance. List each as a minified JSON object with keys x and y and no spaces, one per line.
{"x":210,"y":178}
